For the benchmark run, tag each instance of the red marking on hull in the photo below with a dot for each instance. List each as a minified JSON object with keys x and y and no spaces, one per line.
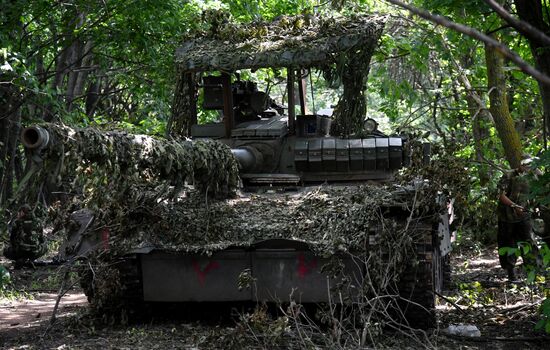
{"x":201,"y":273}
{"x":303,"y":267}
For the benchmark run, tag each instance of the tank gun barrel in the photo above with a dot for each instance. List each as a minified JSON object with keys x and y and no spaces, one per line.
{"x":208,"y":164}
{"x":35,"y":137}
{"x":246,"y":158}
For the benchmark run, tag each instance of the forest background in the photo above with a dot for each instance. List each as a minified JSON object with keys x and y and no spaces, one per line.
{"x":110,"y":64}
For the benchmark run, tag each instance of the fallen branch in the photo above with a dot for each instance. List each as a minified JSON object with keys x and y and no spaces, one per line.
{"x":455,"y":305}
{"x":519,"y":308}
{"x":60,"y":294}
{"x":503,"y":339}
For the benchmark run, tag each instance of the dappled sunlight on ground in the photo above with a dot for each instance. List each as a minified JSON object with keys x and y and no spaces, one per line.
{"x":15,"y":314}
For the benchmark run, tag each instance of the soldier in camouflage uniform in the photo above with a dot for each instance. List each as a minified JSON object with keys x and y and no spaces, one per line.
{"x":514,"y":218}
{"x":26,"y":237}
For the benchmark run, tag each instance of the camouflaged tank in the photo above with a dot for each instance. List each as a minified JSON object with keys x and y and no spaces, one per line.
{"x":317,"y":217}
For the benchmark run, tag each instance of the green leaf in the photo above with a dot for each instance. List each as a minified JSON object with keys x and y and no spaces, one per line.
{"x":4,"y":277}
{"x":531,"y":277}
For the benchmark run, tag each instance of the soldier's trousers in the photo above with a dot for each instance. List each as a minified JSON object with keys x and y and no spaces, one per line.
{"x":509,"y":235}
{"x":545,"y":216}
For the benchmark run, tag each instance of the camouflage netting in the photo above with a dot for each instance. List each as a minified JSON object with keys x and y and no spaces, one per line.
{"x":379,"y":225}
{"x":340,"y":46}
{"x":329,"y":219}
{"x":107,"y":172}
{"x":290,"y":41}
{"x":138,"y":189}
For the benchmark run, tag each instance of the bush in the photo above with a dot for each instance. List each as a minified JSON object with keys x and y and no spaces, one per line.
{"x":5,"y":279}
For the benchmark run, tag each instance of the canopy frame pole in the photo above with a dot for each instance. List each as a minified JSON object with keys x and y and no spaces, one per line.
{"x":302,"y":89}
{"x":228,"y":115}
{"x":291,"y":100}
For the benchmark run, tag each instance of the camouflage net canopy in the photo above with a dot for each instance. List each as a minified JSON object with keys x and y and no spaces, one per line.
{"x":290,"y":41}
{"x":341,"y":46}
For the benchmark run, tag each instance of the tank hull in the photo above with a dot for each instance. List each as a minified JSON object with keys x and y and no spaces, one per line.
{"x":273,"y":275}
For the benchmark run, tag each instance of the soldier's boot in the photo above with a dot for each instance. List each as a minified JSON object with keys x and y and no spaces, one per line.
{"x":9,"y":253}
{"x":512,"y":275}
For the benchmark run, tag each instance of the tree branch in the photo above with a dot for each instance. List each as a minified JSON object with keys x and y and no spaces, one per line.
{"x":474,"y":33}
{"x":523,"y":27}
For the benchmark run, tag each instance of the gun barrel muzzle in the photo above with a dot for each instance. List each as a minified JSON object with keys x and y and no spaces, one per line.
{"x":35,"y":137}
{"x":245,"y":157}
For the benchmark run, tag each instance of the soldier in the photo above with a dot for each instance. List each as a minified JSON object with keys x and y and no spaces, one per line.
{"x":514,"y":219}
{"x":26,"y":237}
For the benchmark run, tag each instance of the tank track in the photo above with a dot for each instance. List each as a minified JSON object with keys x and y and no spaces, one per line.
{"x":418,"y":283}
{"x":447,"y":284}
{"x":123,"y":299}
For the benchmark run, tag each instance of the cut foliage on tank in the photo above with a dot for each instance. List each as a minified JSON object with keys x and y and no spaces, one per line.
{"x":264,"y":205}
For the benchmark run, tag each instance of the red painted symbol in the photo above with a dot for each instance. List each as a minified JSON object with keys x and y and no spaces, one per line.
{"x":201,"y":273}
{"x":303,"y":267}
{"x":105,"y":238}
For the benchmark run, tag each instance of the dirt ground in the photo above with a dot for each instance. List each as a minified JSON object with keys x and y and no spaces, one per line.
{"x":504,"y":313}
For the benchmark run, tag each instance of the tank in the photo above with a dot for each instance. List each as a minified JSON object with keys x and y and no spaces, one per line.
{"x":318,"y":216}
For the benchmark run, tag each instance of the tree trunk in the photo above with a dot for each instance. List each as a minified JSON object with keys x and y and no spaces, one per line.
{"x":531,"y":12}
{"x":85,"y":69}
{"x":6,"y":188}
{"x":73,"y":72}
{"x":499,"y":107}
{"x":478,"y":114}
{"x":92,"y":96}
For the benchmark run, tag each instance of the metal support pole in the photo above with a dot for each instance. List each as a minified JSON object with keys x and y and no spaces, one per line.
{"x":228,"y":115}
{"x":302,"y":88}
{"x":291,"y":101}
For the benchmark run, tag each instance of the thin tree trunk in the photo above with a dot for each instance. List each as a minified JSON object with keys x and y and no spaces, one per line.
{"x":85,"y":70}
{"x":6,"y":189}
{"x":18,"y":166}
{"x":72,"y":75}
{"x":478,"y":114}
{"x":60,"y":69}
{"x":499,"y":107}
{"x":5,"y":124}
{"x":92,"y":96}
